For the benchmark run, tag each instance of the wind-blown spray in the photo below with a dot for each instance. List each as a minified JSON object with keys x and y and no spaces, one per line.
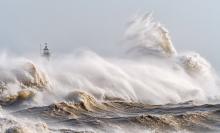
{"x":89,"y":82}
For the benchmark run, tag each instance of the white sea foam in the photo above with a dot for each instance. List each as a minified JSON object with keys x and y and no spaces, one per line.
{"x":170,"y":77}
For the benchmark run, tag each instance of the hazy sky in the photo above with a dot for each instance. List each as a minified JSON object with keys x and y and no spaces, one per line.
{"x":99,"y":24}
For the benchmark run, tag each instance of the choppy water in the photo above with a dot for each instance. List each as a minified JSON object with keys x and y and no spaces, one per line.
{"x":152,"y":88}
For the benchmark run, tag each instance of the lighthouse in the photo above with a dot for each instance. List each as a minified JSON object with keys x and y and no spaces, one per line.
{"x":46,"y":52}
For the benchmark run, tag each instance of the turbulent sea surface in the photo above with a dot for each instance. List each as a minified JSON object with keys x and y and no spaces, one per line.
{"x":151,"y":88}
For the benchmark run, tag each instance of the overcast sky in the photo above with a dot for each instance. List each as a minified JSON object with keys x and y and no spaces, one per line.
{"x":99,"y":24}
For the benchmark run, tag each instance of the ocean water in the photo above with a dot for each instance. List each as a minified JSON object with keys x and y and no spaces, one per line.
{"x":151,"y":88}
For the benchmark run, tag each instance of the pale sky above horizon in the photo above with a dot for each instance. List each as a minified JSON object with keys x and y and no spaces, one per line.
{"x":99,"y":25}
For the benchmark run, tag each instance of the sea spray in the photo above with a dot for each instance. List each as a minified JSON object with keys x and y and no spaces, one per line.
{"x":152,"y":88}
{"x":173,"y":78}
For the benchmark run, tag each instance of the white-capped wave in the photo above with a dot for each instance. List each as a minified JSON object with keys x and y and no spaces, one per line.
{"x":177,"y":77}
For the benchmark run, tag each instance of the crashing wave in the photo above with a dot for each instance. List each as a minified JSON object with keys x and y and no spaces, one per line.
{"x":87,"y":91}
{"x":149,"y":36}
{"x":193,"y":62}
{"x":18,"y":82}
{"x":183,"y":77}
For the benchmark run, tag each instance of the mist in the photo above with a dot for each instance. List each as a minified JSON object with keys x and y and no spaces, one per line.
{"x":99,"y":25}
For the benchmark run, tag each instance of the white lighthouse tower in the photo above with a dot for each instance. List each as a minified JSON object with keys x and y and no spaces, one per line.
{"x":46,"y":52}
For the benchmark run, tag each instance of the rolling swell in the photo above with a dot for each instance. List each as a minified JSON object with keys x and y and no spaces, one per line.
{"x":99,"y":116}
